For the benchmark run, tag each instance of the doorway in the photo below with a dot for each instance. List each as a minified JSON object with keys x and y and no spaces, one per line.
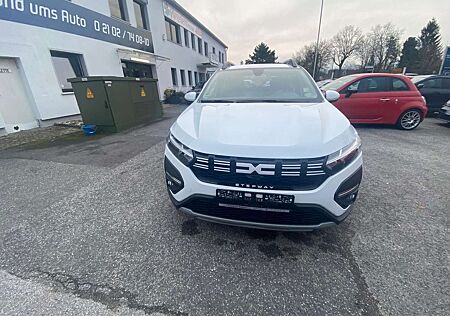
{"x":136,"y":70}
{"x":15,"y":106}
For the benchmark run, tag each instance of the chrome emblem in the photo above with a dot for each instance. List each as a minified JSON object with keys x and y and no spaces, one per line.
{"x":262,"y":169}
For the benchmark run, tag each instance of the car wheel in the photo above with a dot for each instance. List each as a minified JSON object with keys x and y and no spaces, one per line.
{"x":409,"y":120}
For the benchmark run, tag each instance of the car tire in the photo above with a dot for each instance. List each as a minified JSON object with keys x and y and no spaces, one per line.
{"x":409,"y":119}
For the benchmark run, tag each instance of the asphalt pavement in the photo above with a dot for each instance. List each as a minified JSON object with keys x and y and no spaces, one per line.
{"x":87,"y":228}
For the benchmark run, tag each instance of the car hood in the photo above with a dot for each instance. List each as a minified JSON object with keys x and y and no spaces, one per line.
{"x":264,"y":130}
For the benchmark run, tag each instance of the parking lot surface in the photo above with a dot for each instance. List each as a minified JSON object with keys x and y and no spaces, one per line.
{"x":87,"y":228}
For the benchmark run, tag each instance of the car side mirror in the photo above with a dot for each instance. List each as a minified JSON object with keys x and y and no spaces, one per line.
{"x":190,"y":96}
{"x":332,"y":95}
{"x":420,"y":86}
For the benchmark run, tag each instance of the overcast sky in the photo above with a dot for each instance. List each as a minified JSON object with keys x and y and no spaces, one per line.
{"x":286,"y":25}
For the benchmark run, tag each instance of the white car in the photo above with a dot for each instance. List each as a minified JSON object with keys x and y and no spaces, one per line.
{"x":273,"y":154}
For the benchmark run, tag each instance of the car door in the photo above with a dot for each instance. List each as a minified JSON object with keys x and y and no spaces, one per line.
{"x":432,"y":90}
{"x":362,"y":101}
{"x":400,"y":95}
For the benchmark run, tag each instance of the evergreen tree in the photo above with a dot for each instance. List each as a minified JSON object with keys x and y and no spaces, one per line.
{"x":262,"y":55}
{"x":430,"y":51}
{"x":410,"y":54}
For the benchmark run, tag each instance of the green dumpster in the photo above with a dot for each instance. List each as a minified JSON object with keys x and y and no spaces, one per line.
{"x":116,"y":103}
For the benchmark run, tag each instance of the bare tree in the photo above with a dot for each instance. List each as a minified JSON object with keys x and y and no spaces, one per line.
{"x":384,"y":41}
{"x":345,"y":44}
{"x":365,"y":52}
{"x":305,"y":56}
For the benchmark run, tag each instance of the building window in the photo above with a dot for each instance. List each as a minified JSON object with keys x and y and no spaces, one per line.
{"x":140,"y":11}
{"x":193,"y":41}
{"x":202,"y":77}
{"x":136,"y":70}
{"x":174,"y":76}
{"x":117,"y":9}
{"x":186,"y":38}
{"x":214,"y":50}
{"x":67,"y":65}
{"x":173,"y":32}
{"x":190,"y":77}
{"x":200,"y":45}
{"x":206,"y":49}
{"x":196,"y":77}
{"x":183,"y":77}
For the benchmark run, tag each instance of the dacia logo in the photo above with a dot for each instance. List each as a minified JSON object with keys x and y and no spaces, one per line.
{"x":262,"y":169}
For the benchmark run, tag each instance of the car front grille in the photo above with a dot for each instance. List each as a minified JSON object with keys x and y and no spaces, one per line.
{"x":294,"y":215}
{"x":275,"y":174}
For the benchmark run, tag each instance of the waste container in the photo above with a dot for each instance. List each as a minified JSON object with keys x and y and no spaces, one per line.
{"x":116,"y":103}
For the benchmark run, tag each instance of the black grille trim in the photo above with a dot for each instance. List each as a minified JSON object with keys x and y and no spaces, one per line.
{"x":288,"y":174}
{"x":297,"y":215}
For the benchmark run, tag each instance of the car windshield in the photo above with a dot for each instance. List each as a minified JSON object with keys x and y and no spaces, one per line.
{"x":338,"y":83}
{"x":416,"y":79}
{"x":250,"y":85}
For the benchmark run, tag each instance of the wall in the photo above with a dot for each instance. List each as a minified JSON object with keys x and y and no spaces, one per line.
{"x":32,"y":45}
{"x":181,"y":57}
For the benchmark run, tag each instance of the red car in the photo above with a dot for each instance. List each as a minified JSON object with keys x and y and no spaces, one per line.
{"x":380,"y":98}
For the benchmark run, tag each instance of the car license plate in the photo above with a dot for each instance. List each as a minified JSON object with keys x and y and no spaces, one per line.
{"x":254,"y":198}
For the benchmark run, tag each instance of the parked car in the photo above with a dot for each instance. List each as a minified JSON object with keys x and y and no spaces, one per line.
{"x":262,"y":147}
{"x":435,"y":89}
{"x":197,"y":88}
{"x":380,"y":99}
{"x":323,"y":83}
{"x":444,"y":113}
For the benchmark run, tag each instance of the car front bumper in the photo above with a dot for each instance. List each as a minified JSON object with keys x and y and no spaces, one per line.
{"x":311,"y":209}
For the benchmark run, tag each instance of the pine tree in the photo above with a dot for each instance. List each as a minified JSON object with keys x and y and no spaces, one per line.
{"x":410,"y":54}
{"x":262,"y":55}
{"x":430,"y":51}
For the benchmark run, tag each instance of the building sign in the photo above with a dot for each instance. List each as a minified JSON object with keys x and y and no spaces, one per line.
{"x":5,"y":71}
{"x":172,"y":14}
{"x":67,"y":17}
{"x":445,"y":68}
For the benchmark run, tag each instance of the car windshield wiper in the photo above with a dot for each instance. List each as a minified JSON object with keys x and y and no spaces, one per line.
{"x":218,"y":101}
{"x":250,"y":101}
{"x":267,"y":101}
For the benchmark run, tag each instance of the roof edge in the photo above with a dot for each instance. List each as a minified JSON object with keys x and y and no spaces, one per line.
{"x":195,"y":20}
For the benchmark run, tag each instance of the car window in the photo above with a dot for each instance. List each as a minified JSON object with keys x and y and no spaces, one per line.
{"x":371,"y":84}
{"x":338,"y":83}
{"x":434,"y":83}
{"x":399,"y":85}
{"x":261,"y":85}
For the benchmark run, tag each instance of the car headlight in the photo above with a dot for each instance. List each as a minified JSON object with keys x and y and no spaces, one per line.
{"x":341,"y":158}
{"x":182,"y":152}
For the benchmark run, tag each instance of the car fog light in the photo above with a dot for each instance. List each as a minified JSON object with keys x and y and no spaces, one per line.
{"x":174,"y":179}
{"x":348,"y":191}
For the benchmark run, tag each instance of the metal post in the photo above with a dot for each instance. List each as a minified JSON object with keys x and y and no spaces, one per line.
{"x":317,"y":43}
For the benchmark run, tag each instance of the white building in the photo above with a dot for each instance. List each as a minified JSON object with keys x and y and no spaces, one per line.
{"x":44,"y":42}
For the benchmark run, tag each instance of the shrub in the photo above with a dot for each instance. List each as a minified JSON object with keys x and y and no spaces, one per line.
{"x":174,"y":97}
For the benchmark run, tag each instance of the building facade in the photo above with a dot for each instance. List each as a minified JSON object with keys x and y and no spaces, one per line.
{"x":45,"y":42}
